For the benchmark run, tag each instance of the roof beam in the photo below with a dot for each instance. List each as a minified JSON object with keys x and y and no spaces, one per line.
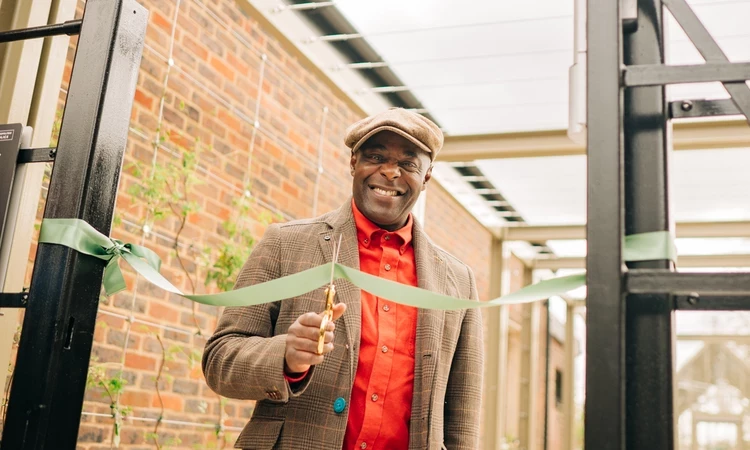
{"x":687,"y":136}
{"x":683,"y":230}
{"x":718,"y":338}
{"x":688,"y":261}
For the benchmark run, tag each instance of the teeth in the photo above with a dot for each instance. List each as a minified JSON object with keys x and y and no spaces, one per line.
{"x":384,"y":192}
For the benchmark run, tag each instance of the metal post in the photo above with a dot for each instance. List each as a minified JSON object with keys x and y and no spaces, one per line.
{"x":568,"y":402}
{"x":496,"y":359}
{"x":530,"y":337}
{"x":605,"y":357}
{"x":649,"y":411}
{"x":49,"y":381}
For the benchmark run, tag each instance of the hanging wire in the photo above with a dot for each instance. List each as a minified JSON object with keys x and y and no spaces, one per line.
{"x":321,"y":139}
{"x":248,"y":175}
{"x":165,"y":421}
{"x":256,"y":124}
{"x":131,"y":319}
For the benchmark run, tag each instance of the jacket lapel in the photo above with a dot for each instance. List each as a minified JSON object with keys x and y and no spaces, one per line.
{"x":342,"y":223}
{"x":431,"y":276}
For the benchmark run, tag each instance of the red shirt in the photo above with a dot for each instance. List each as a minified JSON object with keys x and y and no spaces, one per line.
{"x":380,"y":405}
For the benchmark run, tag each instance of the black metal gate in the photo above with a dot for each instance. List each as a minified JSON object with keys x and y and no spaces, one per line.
{"x":629,"y":401}
{"x":46,"y":395}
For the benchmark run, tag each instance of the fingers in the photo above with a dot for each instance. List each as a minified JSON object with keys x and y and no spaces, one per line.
{"x":299,"y":362}
{"x":338,"y":310}
{"x":310,"y":346}
{"x":302,"y":339}
{"x":311,"y":333}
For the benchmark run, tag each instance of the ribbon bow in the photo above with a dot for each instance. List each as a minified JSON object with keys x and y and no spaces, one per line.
{"x":82,"y":237}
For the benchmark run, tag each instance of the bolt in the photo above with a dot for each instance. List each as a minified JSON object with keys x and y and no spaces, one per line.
{"x":687,"y":105}
{"x":24,"y":299}
{"x":52,"y":152}
{"x":693,"y":298}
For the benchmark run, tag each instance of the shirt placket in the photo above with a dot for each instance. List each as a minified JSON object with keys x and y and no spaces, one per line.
{"x":387,"y":331}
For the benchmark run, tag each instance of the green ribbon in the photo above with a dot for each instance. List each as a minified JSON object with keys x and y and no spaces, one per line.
{"x":82,"y":237}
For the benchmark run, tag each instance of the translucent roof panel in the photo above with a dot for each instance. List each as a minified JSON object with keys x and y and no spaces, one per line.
{"x":706,"y":185}
{"x":483,"y":66}
{"x":685,"y":246}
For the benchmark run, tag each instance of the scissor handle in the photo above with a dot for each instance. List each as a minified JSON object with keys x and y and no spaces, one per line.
{"x":327,"y":317}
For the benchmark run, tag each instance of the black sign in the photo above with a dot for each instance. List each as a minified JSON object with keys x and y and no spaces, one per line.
{"x":10,"y":141}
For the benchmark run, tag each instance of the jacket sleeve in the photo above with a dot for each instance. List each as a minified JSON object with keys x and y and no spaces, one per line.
{"x":244,"y":359}
{"x":464,"y":391}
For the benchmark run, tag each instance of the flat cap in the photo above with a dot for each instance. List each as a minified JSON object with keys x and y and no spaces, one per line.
{"x":420,"y":130}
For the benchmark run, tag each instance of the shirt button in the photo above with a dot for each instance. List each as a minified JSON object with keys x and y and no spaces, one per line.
{"x":387,"y":267}
{"x":374,"y":397}
{"x":363,"y":445}
{"x":386,"y":308}
{"x":387,"y":237}
{"x":384,"y":349}
{"x":366,"y":241}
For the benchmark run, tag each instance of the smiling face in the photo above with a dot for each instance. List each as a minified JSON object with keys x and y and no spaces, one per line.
{"x":389,"y":174}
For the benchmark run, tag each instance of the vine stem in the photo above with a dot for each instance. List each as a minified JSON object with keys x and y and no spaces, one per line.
{"x":158,"y":392}
{"x":183,"y":221}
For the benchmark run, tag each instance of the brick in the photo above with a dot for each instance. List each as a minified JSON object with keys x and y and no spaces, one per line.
{"x":230,"y":120}
{"x":162,"y":313}
{"x":214,"y":126}
{"x":117,"y":338}
{"x":223,"y":69}
{"x":171,"y":401}
{"x":205,"y":23}
{"x":157,"y":19}
{"x":138,"y":361}
{"x":186,"y":387}
{"x":134,"y":398}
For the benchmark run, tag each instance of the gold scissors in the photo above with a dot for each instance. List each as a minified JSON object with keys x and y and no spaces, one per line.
{"x":330,"y":294}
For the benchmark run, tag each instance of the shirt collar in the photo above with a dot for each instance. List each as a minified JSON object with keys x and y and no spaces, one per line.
{"x":366,"y":229}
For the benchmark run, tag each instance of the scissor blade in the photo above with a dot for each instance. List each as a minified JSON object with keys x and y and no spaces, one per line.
{"x":336,"y":251}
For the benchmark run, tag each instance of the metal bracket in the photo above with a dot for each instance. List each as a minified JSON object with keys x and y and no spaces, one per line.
{"x":69,"y":27}
{"x":696,"y":302}
{"x":683,"y":109}
{"x":36,"y":155}
{"x":14,"y":300}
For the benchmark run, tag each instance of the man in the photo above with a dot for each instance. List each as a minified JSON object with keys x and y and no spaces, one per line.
{"x":390,"y":376}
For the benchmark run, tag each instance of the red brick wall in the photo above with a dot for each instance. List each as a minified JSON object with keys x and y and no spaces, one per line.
{"x":452,"y":228}
{"x":210,"y":95}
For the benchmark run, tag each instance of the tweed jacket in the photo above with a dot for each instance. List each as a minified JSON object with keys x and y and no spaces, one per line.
{"x":244,"y":359}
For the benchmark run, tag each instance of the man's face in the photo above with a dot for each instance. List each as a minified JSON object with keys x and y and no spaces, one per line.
{"x":389,"y":174}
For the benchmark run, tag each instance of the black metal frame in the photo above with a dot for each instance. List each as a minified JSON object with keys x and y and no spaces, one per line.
{"x":630,"y":309}
{"x":70,"y":27}
{"x":49,"y":380}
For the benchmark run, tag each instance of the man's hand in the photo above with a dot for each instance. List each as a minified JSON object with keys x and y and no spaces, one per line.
{"x":302,"y":340}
